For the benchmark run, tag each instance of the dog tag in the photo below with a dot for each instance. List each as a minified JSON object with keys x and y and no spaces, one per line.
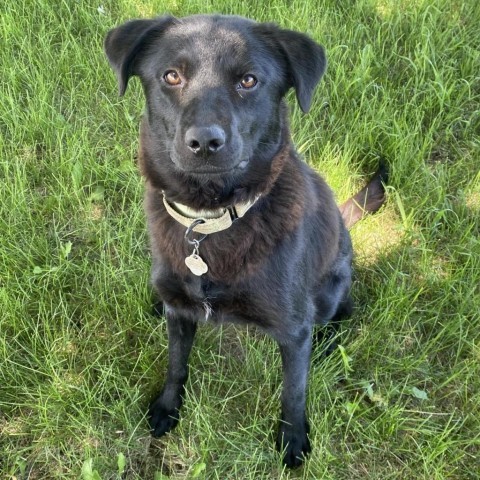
{"x":196,"y":264}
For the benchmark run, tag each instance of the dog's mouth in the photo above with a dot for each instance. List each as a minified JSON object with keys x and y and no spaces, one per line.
{"x":212,"y":170}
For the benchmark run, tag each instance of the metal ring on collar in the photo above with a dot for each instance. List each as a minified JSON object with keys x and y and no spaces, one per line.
{"x":189,"y":230}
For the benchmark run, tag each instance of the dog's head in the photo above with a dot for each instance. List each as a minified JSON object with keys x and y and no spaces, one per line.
{"x":214,"y":86}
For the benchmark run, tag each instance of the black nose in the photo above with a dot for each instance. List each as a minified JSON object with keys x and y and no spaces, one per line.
{"x":205,"y":139}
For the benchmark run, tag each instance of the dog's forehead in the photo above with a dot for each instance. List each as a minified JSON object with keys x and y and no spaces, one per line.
{"x":228,"y":29}
{"x":211,"y":38}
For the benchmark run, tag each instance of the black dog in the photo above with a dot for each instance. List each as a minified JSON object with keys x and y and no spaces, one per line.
{"x":241,"y":229}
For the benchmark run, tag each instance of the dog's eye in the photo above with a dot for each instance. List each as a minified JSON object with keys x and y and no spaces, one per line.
{"x":248,"y":81}
{"x":172,"y":78}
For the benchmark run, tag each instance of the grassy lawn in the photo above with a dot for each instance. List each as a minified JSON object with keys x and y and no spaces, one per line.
{"x":80,"y":353}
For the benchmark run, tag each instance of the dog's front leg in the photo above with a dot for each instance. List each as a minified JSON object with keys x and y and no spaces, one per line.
{"x":164,"y":410}
{"x":292,"y":438}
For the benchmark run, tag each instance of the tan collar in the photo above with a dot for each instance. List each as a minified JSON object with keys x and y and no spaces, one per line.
{"x":213,"y":220}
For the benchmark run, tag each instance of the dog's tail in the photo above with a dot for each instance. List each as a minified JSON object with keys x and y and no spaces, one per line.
{"x":367,"y":200}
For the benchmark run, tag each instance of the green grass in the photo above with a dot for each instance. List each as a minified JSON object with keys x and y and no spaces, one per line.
{"x":80,"y":354}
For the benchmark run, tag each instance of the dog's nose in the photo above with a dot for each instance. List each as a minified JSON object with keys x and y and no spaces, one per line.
{"x":205,"y":139}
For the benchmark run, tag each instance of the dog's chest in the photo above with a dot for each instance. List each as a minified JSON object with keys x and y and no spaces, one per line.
{"x":220,"y":303}
{"x":211,"y":300}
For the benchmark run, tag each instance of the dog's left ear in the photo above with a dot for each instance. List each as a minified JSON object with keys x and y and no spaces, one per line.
{"x":305,"y":58}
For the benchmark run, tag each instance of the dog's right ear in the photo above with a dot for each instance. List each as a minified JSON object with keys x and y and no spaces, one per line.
{"x":124,"y":45}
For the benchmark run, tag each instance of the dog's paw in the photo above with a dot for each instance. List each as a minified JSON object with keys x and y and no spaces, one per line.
{"x":162,"y":419}
{"x":294,"y":444}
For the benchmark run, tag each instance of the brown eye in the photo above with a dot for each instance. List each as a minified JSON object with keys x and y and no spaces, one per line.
{"x":172,"y":77}
{"x":248,"y":81}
